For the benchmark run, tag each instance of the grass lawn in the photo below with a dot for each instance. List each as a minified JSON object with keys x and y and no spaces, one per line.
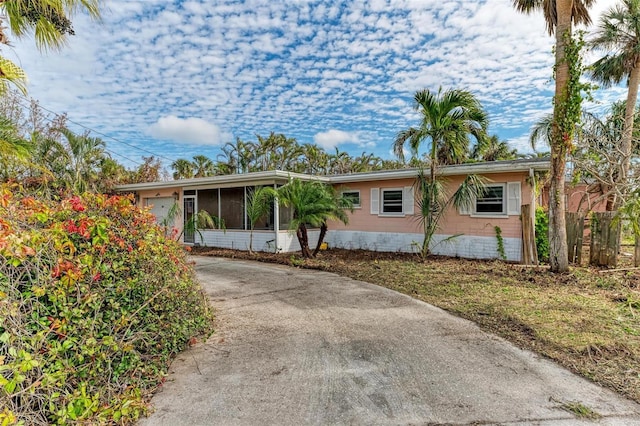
{"x":586,"y":320}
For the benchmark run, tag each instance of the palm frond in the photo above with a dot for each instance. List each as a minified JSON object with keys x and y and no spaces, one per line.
{"x":541,"y":131}
{"x":471,"y":188}
{"x":11,"y":73}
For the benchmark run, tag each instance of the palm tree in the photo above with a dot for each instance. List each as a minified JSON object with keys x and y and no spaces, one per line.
{"x":10,"y":73}
{"x":259,"y":204}
{"x":493,"y":149}
{"x":277,"y":152}
{"x":366,"y":163}
{"x":315,"y":160}
{"x":619,"y":33}
{"x":559,"y":16}
{"x":13,"y":148}
{"x":85,"y":154}
{"x":340,"y":162}
{"x":433,"y":202}
{"x":338,"y":205}
{"x":447,"y":120}
{"x":203,"y":166}
{"x":49,"y":22}
{"x":236,"y":157}
{"x":182,"y":169}
{"x":313,"y":203}
{"x":48,"y":19}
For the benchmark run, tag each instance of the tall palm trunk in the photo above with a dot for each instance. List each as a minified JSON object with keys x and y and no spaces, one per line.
{"x":559,"y":253}
{"x":627,"y":132}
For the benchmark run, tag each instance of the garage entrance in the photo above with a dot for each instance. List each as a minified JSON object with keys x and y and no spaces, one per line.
{"x":160,"y":207}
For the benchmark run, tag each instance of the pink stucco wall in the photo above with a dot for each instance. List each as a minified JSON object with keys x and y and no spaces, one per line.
{"x":580,"y":199}
{"x":453,"y":222}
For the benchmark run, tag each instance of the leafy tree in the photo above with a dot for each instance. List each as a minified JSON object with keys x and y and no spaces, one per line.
{"x":598,"y":156}
{"x":447,"y":120}
{"x":313,"y":203}
{"x":630,"y":212}
{"x":559,"y":16}
{"x":619,"y":34}
{"x":149,"y":171}
{"x":111,"y":173}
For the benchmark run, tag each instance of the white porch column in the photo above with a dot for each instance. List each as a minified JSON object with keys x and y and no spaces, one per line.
{"x":276,"y":221}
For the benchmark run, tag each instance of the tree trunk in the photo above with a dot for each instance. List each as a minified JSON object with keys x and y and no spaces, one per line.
{"x":627,"y":131}
{"x":558,"y":251}
{"x":323,"y":232}
{"x":303,"y":239}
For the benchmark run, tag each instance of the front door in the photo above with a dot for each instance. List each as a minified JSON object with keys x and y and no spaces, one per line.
{"x":189,"y":220}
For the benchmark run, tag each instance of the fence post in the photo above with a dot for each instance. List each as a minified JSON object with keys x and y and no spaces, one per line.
{"x":604,"y":240}
{"x":575,"y":236}
{"x":529,"y":250}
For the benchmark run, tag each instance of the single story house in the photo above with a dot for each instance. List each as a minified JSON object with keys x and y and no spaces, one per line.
{"x":384,"y":216}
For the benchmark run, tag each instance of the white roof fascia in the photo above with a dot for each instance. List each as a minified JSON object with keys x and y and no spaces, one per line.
{"x":244,"y":178}
{"x":266,"y":177}
{"x":461,"y":169}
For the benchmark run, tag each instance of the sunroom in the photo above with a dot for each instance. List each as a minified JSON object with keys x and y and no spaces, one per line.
{"x":225,"y":199}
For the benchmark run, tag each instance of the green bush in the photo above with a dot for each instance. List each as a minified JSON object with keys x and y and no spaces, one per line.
{"x":94,"y":302}
{"x":542,"y":234}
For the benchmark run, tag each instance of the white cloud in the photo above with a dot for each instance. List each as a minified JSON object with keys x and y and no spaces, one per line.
{"x":332,"y":138}
{"x":190,"y":130}
{"x":299,"y":68}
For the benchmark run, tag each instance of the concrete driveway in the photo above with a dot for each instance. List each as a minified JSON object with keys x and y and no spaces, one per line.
{"x":296,"y":347}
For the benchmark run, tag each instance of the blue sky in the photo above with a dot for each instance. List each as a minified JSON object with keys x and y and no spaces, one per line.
{"x":181,"y":78}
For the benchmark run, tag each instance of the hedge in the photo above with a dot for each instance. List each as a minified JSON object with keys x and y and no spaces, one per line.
{"x":95,"y":301}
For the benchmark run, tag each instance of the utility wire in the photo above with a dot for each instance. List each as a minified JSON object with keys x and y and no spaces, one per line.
{"x":95,"y":131}
{"x":136,"y":162}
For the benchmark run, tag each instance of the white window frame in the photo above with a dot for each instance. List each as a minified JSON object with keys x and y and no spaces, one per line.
{"x":355,"y":191}
{"x":503,"y":213}
{"x":382,"y":205}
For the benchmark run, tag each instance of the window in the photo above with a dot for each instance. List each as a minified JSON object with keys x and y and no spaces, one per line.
{"x":353,"y":196}
{"x":392,"y":201}
{"x":492,"y":202}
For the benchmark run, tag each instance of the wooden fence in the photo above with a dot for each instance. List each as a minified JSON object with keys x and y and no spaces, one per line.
{"x":575,"y":236}
{"x":605,"y":240}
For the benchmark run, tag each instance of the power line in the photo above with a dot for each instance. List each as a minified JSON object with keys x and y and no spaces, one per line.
{"x":95,"y":131}
{"x":136,"y":162}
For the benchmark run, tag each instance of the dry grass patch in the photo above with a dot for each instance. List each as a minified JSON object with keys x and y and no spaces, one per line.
{"x":587,"y":321}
